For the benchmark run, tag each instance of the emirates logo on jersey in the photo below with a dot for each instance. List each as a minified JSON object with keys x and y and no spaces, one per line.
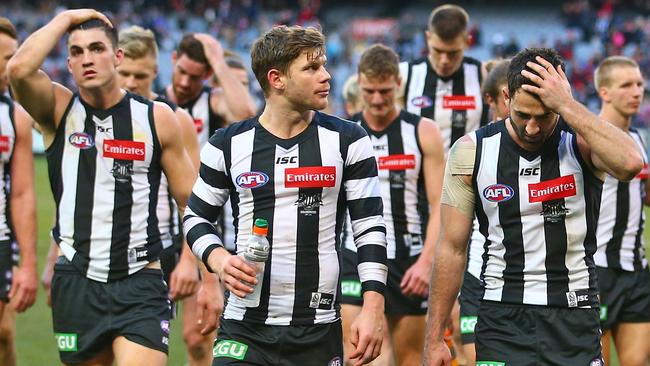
{"x":198,"y":124}
{"x":397,"y":162}
{"x":458,"y":102}
{"x":5,"y":144}
{"x":124,"y":150}
{"x":553,"y":189}
{"x":643,"y":174}
{"x":422,"y":101}
{"x":310,"y":177}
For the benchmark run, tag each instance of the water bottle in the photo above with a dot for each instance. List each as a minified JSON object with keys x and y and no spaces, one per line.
{"x":255,"y":254}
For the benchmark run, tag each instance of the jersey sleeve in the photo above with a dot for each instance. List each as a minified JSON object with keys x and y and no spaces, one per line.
{"x":365,"y":208}
{"x":403,"y":74}
{"x":209,"y":194}
{"x":455,"y":190}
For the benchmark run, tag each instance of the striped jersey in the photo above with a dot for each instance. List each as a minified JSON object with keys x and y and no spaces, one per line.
{"x":205,"y":120}
{"x":455,"y":102}
{"x":621,"y":221}
{"x":104,"y":168}
{"x":7,"y":142}
{"x":537,"y":212}
{"x":401,"y":183}
{"x":302,"y":186}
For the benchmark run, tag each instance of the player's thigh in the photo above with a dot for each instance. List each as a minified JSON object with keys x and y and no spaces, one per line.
{"x":606,"y":342}
{"x":407,"y":333}
{"x":128,"y":353}
{"x":632,"y":341}
{"x":469,"y":351}
{"x":104,"y":358}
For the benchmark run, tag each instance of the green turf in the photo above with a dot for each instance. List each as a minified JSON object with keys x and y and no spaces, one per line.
{"x":36,"y":346}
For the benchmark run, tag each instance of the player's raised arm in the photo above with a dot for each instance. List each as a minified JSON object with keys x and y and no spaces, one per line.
{"x":43,"y":99}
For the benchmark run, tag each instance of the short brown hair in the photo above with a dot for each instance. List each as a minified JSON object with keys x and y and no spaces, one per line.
{"x":8,"y":28}
{"x":603,"y":71}
{"x":496,"y":78}
{"x":280,"y":46}
{"x":138,"y":42}
{"x":96,"y":23}
{"x":193,"y":48}
{"x":448,"y":22}
{"x":379,"y":62}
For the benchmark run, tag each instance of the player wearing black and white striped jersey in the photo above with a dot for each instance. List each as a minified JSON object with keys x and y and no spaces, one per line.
{"x":106,"y":152}
{"x":410,"y":158}
{"x":533,"y":181}
{"x":621,"y":263}
{"x":445,"y":86}
{"x":299,"y":169}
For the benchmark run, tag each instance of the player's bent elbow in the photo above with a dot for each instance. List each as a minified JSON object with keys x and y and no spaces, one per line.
{"x":631,"y":168}
{"x":16,"y":69}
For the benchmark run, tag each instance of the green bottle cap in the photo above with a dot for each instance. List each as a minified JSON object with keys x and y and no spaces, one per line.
{"x":261,"y":223}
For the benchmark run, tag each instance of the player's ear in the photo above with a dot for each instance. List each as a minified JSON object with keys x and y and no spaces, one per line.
{"x":276,"y":79}
{"x":506,"y":95}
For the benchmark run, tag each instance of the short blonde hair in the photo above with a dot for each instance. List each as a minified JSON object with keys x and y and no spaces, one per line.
{"x":8,"y":28}
{"x":138,"y":42}
{"x":604,"y":70}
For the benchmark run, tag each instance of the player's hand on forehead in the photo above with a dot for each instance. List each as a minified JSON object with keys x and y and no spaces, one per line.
{"x":78,"y":16}
{"x":551,"y":84}
{"x":210,"y":44}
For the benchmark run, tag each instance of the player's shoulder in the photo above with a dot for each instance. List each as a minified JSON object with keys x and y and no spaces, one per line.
{"x":226,"y":133}
{"x":348,"y":129}
{"x":472,"y":61}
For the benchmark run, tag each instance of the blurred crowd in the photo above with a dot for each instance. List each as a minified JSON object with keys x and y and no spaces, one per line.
{"x":593,"y":30}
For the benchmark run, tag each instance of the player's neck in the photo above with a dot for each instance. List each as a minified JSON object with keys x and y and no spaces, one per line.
{"x":380,"y":123}
{"x":617,"y":119}
{"x":172,"y":97}
{"x":103,"y":97}
{"x":282,"y":121}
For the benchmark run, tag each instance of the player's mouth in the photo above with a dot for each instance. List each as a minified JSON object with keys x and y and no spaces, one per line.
{"x":89,"y":73}
{"x":323,"y":93}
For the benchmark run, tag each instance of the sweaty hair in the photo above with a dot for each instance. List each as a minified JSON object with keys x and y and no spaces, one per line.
{"x":351,"y":89}
{"x":138,"y":42}
{"x":496,"y":78}
{"x":280,"y":46}
{"x":518,"y":64}
{"x":448,"y":22}
{"x":6,"y":27}
{"x":602,"y":74}
{"x":379,"y":62}
{"x":193,"y":48}
{"x":94,"y":23}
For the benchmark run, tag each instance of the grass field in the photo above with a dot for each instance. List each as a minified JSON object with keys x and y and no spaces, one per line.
{"x":36,"y":346}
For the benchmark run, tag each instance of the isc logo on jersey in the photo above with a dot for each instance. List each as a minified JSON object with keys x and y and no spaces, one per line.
{"x":310,"y":177}
{"x":498,"y":193}
{"x":124,"y":150}
{"x":81,"y":140}
{"x":422,"y":101}
{"x":250,"y":180}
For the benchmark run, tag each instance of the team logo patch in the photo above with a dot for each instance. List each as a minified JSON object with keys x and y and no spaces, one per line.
{"x":250,"y":180}
{"x":397,"y":162}
{"x":553,"y":189}
{"x":66,"y":342}
{"x":458,"y":102}
{"x":603,"y":312}
{"x":321,"y":300}
{"x":597,"y":362}
{"x":81,"y":140}
{"x":5,"y":144}
{"x":577,"y":298}
{"x":198,"y":124}
{"x":643,"y":174}
{"x":422,"y":101}
{"x":498,"y":193}
{"x":467,"y":324}
{"x":351,"y":288}
{"x":230,"y":349}
{"x":308,"y":204}
{"x":124,"y":150}
{"x":310,"y":177}
{"x":336,"y":361}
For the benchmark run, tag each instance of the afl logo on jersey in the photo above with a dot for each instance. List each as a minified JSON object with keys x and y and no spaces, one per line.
{"x":498,"y":193}
{"x":81,"y":140}
{"x":422,"y":101}
{"x":250,"y":180}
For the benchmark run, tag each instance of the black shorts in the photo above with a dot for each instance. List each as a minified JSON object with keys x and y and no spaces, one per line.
{"x":525,"y":335}
{"x":88,"y":315}
{"x":6,"y":269}
{"x":396,"y":302}
{"x":470,"y":300}
{"x":240,"y":343}
{"x":624,"y":296}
